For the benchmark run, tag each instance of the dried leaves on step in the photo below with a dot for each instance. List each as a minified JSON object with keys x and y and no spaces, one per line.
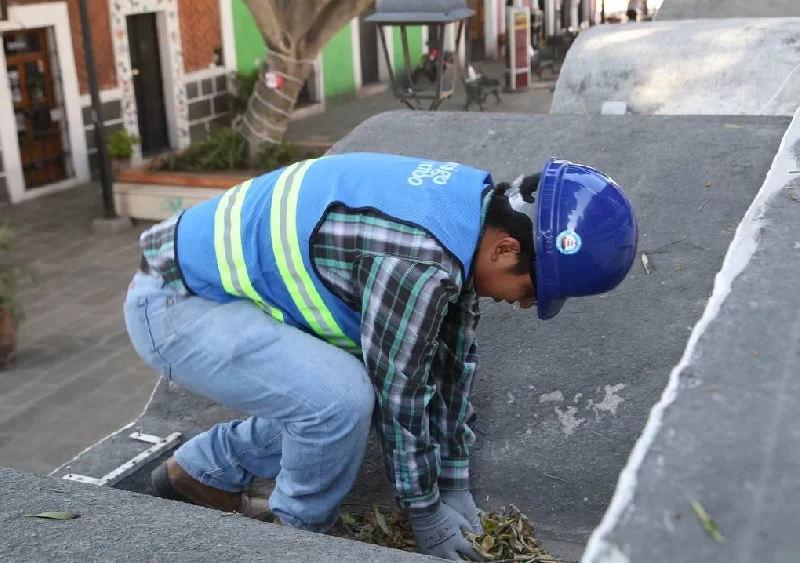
{"x":377,"y":525}
{"x":507,"y":534}
{"x":646,"y":263}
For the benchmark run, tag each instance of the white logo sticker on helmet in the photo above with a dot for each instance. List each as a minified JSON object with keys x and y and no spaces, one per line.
{"x":568,"y":242}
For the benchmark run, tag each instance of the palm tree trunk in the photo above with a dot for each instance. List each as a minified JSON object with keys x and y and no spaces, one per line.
{"x":268,"y":112}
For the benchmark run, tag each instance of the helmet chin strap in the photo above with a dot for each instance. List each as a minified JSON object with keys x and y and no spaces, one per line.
{"x":519,"y":202}
{"x":528,"y":207}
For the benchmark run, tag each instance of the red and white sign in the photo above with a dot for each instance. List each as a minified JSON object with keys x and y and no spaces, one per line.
{"x":273,"y":80}
{"x":518,"y":44}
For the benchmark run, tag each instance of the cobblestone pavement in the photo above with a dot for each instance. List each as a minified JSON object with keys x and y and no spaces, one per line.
{"x":78,"y":378}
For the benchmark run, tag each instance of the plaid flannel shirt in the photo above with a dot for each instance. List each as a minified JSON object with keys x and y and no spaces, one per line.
{"x":419,"y":319}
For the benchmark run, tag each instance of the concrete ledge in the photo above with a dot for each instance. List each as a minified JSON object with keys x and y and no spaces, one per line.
{"x":156,"y":202}
{"x":726,"y":432}
{"x":694,"y":9}
{"x":744,"y":66}
{"x":121,"y":526}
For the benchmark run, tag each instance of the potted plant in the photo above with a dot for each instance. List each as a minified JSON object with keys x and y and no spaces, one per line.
{"x":120,"y":149}
{"x":11,"y":311}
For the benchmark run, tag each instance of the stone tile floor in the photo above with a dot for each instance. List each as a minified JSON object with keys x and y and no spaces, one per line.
{"x":77,"y":377}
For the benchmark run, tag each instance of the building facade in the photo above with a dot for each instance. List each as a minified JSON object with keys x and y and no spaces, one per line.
{"x":353,"y":62}
{"x":162,"y":67}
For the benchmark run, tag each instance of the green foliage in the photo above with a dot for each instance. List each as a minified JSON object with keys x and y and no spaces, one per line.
{"x":223,"y":150}
{"x":226,"y":150}
{"x":271,"y":157}
{"x":10,"y":274}
{"x":244,"y":85}
{"x":120,"y":144}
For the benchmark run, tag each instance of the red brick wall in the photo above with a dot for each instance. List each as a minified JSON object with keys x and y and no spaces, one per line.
{"x":101,"y":40}
{"x":200,"y":32}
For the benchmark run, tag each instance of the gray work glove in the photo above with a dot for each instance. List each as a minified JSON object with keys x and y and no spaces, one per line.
{"x":440,"y":534}
{"x":463,"y":503}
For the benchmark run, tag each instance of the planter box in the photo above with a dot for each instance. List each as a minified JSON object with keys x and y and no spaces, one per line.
{"x":154,"y":195}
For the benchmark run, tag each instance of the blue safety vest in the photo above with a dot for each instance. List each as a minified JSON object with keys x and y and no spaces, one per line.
{"x":252,"y":242}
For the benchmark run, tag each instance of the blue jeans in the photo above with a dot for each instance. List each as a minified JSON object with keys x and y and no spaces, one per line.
{"x":310,"y":403}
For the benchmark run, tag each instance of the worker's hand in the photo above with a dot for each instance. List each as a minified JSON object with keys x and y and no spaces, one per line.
{"x":463,"y":503}
{"x":440,"y":534}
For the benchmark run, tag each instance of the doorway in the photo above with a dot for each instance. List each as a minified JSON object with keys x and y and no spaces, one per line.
{"x":148,"y":83}
{"x":370,"y":51}
{"x":37,"y":111}
{"x":476,"y":43}
{"x":304,"y":97}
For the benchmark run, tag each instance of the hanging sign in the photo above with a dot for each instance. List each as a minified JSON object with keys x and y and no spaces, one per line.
{"x":273,"y":80}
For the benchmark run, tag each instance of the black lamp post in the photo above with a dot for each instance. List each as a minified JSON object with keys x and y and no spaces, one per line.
{"x":436,"y":14}
{"x":97,"y":120}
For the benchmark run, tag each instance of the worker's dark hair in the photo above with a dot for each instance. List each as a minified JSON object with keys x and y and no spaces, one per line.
{"x":502,"y":216}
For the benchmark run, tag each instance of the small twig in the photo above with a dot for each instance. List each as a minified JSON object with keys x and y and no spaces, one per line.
{"x":660,"y":249}
{"x":557,"y":478}
{"x":702,"y":205}
{"x":663,"y":246}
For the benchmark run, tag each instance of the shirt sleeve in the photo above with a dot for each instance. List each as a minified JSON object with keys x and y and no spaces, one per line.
{"x":451,"y":410}
{"x":403,"y":305}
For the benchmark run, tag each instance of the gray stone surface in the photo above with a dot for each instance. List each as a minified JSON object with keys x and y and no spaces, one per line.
{"x":743,"y":66}
{"x":77,"y":377}
{"x":560,"y":404}
{"x":726,"y":432}
{"x":127,"y":527}
{"x":694,"y":9}
{"x":111,"y":226}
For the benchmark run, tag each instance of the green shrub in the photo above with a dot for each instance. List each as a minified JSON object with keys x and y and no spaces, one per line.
{"x":227,"y":150}
{"x":120,"y":144}
{"x":244,"y":84}
{"x":224,"y":149}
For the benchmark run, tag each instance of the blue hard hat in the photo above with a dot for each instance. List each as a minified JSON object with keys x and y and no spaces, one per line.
{"x":585,"y":234}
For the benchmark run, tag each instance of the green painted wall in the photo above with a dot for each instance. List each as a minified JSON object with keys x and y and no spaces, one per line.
{"x":414,"y":35}
{"x":337,"y":64}
{"x":249,"y":43}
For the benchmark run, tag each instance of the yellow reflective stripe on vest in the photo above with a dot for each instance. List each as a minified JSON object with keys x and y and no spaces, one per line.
{"x":229,"y":251}
{"x":286,"y":247}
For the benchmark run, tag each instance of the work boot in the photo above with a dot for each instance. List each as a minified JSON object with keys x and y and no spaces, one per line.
{"x":172,"y":482}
